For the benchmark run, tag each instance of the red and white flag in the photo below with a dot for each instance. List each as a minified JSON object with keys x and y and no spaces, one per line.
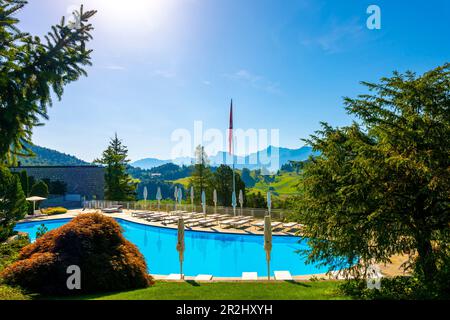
{"x":230,"y":131}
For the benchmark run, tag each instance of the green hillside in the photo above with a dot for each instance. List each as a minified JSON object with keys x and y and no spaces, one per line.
{"x":282,"y":185}
{"x":49,"y":157}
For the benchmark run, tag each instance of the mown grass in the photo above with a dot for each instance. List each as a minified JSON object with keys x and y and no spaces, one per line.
{"x":315,"y":290}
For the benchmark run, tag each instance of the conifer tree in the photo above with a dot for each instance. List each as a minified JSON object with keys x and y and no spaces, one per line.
{"x":120,"y":186}
{"x":32,"y":70}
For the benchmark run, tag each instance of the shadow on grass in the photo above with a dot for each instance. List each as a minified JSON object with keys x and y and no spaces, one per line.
{"x":193,"y":283}
{"x":302,"y":284}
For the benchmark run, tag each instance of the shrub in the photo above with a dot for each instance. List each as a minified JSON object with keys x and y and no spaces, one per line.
{"x":53,"y":211}
{"x":13,"y":205}
{"x":396,"y":288}
{"x":93,"y":242}
{"x":9,"y":251}
{"x":8,"y":293}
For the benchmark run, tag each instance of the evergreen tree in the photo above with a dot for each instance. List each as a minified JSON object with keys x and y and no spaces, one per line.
{"x":24,"y":182}
{"x":31,"y":71}
{"x":223,"y":183}
{"x":382,"y":187}
{"x":201,"y":178}
{"x":120,"y":186}
{"x":13,"y":205}
{"x":256,"y":200}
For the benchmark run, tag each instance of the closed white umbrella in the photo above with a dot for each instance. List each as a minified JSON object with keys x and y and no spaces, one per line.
{"x":34,"y":200}
{"x":241,"y":199}
{"x":175,"y":195}
{"x":145,"y":194}
{"x":180,"y":195}
{"x":180,"y":245}
{"x":215,"y":200}
{"x":269,"y":203}
{"x":159,"y":197}
{"x":234,"y":202}
{"x":204,"y":202}
{"x":192,"y":198}
{"x":268,"y":241}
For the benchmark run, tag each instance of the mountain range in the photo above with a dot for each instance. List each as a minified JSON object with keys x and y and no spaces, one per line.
{"x":271,"y":159}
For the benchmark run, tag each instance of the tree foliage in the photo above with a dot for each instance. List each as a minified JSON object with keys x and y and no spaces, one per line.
{"x":201,"y":177}
{"x":119,"y":184}
{"x":223,"y":183}
{"x":13,"y":205}
{"x":32,"y":70}
{"x":382,"y":186}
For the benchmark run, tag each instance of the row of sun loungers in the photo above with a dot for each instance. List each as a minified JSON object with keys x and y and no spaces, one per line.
{"x":248,"y":276}
{"x":200,"y":220}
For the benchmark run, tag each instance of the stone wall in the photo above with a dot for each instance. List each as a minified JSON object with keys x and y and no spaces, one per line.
{"x":86,"y":181}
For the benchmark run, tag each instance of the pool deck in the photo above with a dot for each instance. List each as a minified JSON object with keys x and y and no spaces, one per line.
{"x":127,"y":215}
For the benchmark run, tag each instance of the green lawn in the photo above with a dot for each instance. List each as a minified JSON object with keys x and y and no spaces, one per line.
{"x":316,"y":290}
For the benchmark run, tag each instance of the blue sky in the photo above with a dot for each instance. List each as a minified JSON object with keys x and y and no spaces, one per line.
{"x":160,"y":65}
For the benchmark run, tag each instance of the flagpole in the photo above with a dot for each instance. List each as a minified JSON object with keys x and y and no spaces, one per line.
{"x":232,"y":153}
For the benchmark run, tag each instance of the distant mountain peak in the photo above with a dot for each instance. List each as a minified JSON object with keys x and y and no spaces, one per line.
{"x":284,"y":156}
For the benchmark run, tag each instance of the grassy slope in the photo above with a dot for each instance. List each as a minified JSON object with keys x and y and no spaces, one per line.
{"x":320,"y":290}
{"x":284,"y":185}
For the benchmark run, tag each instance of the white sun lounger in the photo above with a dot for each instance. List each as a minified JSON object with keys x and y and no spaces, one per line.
{"x":207,"y":222}
{"x":112,"y":210}
{"x":283,"y":275}
{"x":242,"y":223}
{"x":290,"y":225}
{"x":260,"y":224}
{"x":250,"y":276}
{"x":156,"y":217}
{"x":174,"y":276}
{"x":230,"y":222}
{"x":203,"y":277}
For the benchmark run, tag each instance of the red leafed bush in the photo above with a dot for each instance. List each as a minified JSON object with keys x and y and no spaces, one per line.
{"x":93,"y":242}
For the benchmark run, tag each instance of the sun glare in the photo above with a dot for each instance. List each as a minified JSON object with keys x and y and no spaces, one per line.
{"x":144,"y":15}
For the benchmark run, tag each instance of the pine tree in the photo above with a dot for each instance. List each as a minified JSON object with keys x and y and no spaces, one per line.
{"x":201,"y":178}
{"x":120,"y":186}
{"x":31,"y":70}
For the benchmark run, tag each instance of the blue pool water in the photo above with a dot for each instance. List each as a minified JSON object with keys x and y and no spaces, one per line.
{"x":219,"y":254}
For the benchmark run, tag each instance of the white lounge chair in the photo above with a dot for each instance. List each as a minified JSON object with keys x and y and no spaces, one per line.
{"x":203,"y":277}
{"x":283,"y":275}
{"x":174,"y":276}
{"x":207,"y":222}
{"x":231,"y":222}
{"x":290,"y":225}
{"x":260,"y":224}
{"x":242,"y":222}
{"x":250,"y":276}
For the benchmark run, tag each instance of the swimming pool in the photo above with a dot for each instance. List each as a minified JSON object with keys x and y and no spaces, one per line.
{"x":218,"y":254}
